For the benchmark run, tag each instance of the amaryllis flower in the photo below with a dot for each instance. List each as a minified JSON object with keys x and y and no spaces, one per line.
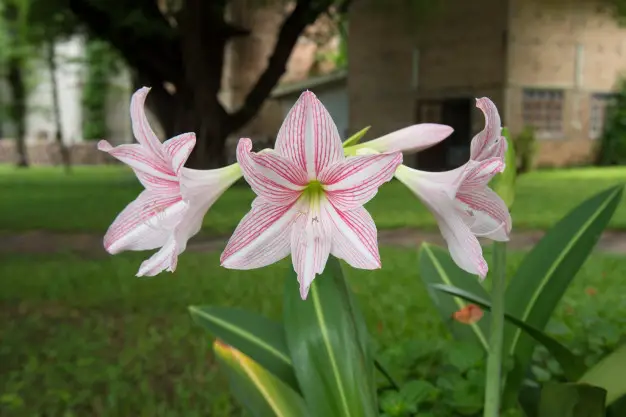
{"x":171,"y":208}
{"x":464,"y":206}
{"x":309,"y":198}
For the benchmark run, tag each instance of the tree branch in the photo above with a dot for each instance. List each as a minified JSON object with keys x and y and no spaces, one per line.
{"x":156,"y":56}
{"x":305,"y":13}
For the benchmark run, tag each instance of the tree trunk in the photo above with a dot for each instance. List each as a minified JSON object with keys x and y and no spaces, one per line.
{"x":52,"y":67}
{"x":17,"y":107}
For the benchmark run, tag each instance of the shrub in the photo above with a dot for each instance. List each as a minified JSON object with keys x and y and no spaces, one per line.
{"x":525,"y":148}
{"x":612,"y":146}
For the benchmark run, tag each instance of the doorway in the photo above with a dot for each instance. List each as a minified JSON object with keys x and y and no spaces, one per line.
{"x":454,"y":151}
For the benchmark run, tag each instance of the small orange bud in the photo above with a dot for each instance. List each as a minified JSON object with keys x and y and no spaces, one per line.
{"x":591,"y":291}
{"x":469,"y":314}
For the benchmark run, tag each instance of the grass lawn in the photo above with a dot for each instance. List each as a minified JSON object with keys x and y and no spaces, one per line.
{"x":86,"y":338}
{"x":87,"y":201}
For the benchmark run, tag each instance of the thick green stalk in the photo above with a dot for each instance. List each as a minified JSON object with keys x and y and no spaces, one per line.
{"x":493,"y":386}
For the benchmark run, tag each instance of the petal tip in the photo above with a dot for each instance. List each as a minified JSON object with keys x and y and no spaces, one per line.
{"x":104,"y":146}
{"x":304,"y":291}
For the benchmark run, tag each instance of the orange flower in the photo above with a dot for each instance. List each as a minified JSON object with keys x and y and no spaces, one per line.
{"x":591,"y":291}
{"x":469,"y":314}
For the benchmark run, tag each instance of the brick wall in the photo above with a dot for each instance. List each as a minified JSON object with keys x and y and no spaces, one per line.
{"x":504,"y":47}
{"x":457,"y":57}
{"x":544,"y":37}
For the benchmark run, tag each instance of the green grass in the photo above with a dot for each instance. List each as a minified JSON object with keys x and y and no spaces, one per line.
{"x":44,"y":198}
{"x":85,"y":338}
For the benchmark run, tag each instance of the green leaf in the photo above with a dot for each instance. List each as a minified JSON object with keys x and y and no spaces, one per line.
{"x":504,"y":183}
{"x":437,"y":267}
{"x":354,"y":139}
{"x":419,"y":392}
{"x":547,"y":271}
{"x":573,"y":366}
{"x":609,"y":374}
{"x":464,"y":355}
{"x":571,"y":400}
{"x":256,"y":336}
{"x":258,"y":390}
{"x":331,"y":356}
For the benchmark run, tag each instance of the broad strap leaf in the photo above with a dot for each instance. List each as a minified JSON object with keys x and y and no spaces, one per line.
{"x":256,"y":336}
{"x":571,"y":400}
{"x":330,"y":355}
{"x":546,"y":272}
{"x":257,"y":389}
{"x":437,"y":267}
{"x":573,"y":366}
{"x":609,"y":374}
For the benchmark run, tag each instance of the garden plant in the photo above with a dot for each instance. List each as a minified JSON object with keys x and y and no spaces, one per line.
{"x":321,"y":360}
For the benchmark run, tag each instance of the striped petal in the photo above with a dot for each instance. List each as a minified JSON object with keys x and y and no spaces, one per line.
{"x":354,"y":181}
{"x":489,"y":143}
{"x":270,"y":175}
{"x":354,"y":237}
{"x":308,"y":137}
{"x":310,"y":246}
{"x":165,"y":259}
{"x":145,"y":223}
{"x":438,"y":197}
{"x":477,"y":174}
{"x":486,"y":214}
{"x":201,"y":188}
{"x":177,"y":150}
{"x":139,"y":122}
{"x":410,"y":139}
{"x":262,"y":237}
{"x":141,"y":160}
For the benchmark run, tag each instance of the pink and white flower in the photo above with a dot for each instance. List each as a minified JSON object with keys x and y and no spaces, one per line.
{"x":171,"y":208}
{"x":460,"y":199}
{"x":464,"y":206}
{"x":309,"y":198}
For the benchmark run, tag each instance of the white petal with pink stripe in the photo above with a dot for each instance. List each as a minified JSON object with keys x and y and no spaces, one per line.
{"x":171,"y":208}
{"x":310,"y":198}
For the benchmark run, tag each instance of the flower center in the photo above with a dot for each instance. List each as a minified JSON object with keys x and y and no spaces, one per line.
{"x":311,"y":199}
{"x":314,"y":190}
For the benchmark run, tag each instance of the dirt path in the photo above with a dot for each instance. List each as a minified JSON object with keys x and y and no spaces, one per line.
{"x":90,"y":245}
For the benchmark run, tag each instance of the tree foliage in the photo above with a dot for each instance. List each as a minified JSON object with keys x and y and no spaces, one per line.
{"x":182,"y":44}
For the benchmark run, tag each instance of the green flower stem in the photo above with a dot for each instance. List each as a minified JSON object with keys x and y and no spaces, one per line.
{"x":494,"y":360}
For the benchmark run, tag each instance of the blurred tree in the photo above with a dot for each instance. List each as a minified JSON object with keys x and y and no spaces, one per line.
{"x":101,"y":63}
{"x":178,"y":48}
{"x":28,"y":28}
{"x":13,"y":64}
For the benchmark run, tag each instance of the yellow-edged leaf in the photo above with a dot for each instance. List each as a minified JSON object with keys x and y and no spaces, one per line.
{"x":260,"y":392}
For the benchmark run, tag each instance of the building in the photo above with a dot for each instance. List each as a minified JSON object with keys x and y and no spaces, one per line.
{"x":550,"y":64}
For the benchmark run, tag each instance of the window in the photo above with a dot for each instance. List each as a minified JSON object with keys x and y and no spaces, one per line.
{"x":598,"y":105}
{"x":543,"y":110}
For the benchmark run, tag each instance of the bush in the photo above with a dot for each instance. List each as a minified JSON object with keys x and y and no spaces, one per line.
{"x":525,"y":149}
{"x":612,"y":146}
